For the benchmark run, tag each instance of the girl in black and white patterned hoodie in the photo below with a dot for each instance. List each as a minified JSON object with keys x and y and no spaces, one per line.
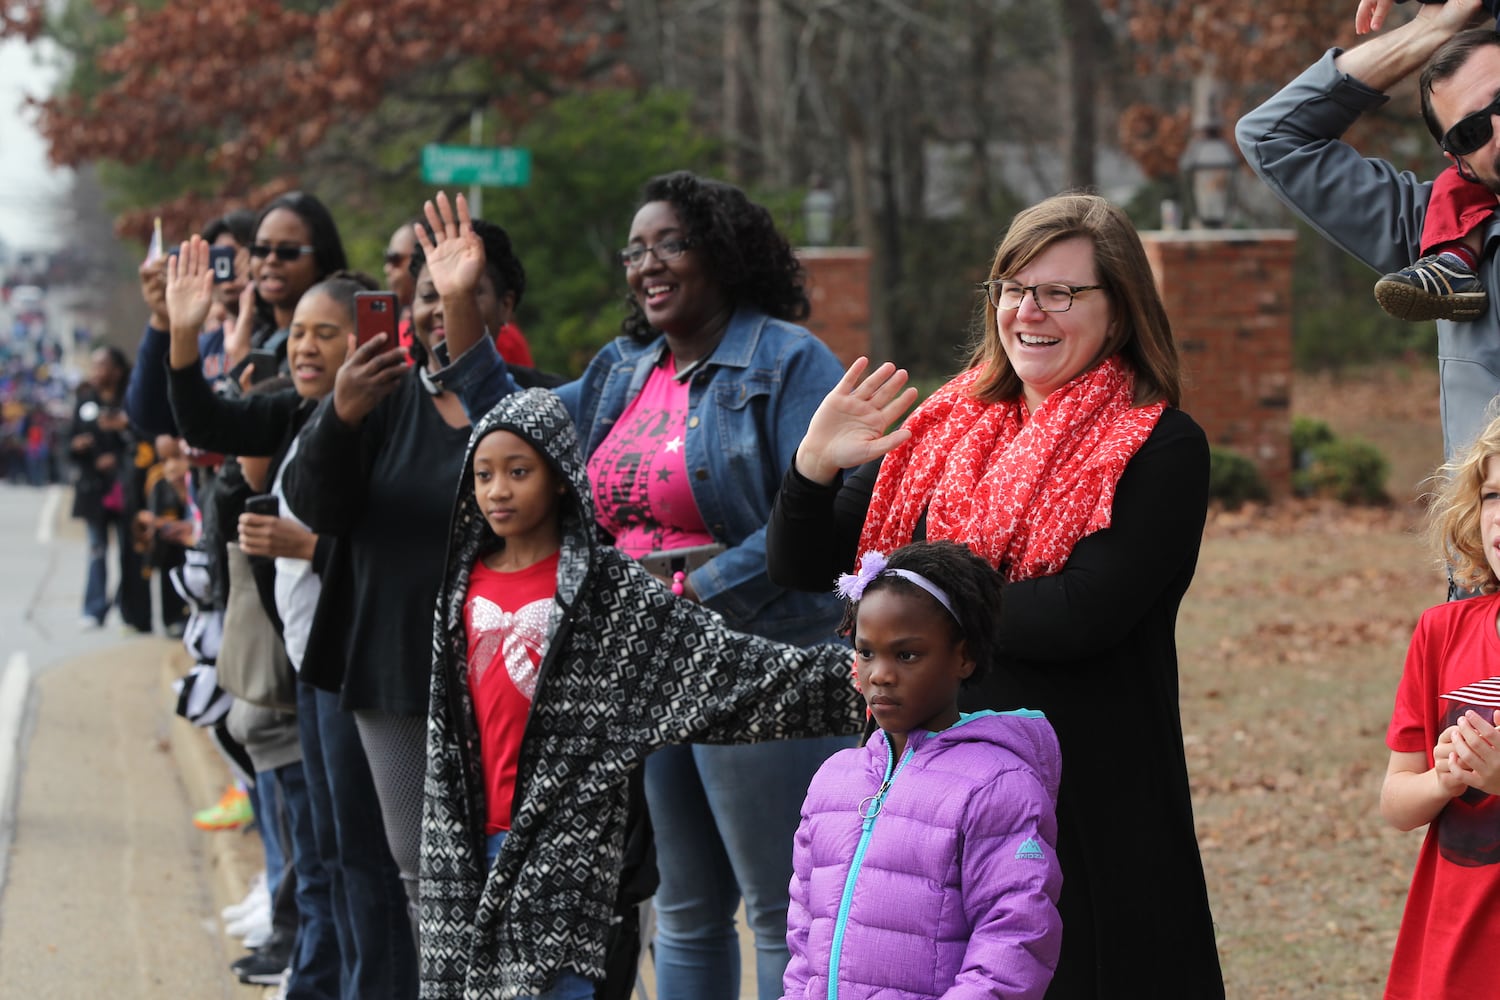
{"x":595,"y":663}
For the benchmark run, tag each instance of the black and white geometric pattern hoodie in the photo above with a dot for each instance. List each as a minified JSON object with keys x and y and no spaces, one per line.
{"x":628,"y":667}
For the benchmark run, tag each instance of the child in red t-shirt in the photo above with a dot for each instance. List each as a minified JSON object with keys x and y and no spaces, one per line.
{"x":1444,"y":768}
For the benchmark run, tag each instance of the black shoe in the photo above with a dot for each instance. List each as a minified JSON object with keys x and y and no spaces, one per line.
{"x":1434,"y":287}
{"x":262,"y":967}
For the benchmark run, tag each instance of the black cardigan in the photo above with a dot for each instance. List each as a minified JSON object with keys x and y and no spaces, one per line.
{"x":260,"y":425}
{"x":385,"y":490}
{"x":1094,"y":647}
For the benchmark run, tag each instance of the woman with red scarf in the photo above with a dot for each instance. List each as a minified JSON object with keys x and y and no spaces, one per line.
{"x":1061,"y":457}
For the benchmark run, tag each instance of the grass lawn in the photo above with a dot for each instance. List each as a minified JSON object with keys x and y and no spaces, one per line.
{"x":1292,"y":640}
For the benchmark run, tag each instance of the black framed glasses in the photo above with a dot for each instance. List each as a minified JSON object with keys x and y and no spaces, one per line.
{"x":1049,"y":296}
{"x":1471,"y":132}
{"x":285,"y":252}
{"x":666,"y":250}
{"x":394,"y":259}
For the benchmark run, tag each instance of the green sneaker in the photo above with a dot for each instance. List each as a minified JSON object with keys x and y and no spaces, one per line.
{"x":232,"y":812}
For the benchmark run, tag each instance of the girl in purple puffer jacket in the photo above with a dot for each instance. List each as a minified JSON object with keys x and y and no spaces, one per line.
{"x":924,"y":865}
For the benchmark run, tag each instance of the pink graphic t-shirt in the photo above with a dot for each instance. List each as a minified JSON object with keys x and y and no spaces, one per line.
{"x":640,"y":474}
{"x":505,"y":616}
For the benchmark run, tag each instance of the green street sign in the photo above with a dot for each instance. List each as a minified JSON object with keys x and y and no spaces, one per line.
{"x":487,"y":166}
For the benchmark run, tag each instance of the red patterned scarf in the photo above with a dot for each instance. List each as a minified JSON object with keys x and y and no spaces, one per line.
{"x":1019,"y":492}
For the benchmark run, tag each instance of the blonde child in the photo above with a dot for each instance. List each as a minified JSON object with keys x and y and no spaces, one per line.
{"x":1444,"y":769}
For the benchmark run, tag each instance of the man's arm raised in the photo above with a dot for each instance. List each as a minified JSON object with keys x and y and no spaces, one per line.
{"x":1387,"y":59}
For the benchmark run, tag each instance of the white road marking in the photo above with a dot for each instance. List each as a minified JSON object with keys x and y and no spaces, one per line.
{"x":48,"y":516}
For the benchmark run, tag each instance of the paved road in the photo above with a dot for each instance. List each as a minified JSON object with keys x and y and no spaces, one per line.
{"x":105,"y":887}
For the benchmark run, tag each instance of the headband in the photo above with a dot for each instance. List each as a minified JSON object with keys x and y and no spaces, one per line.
{"x":873,"y":566}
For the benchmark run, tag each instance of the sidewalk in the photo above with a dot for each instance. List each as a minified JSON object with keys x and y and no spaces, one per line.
{"x":110,"y":890}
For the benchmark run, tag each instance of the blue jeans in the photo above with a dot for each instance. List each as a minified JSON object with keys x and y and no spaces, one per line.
{"x":266,"y":800}
{"x":315,"y":961}
{"x":724,"y":819}
{"x":369,"y":903}
{"x":96,"y":596}
{"x":568,"y":985}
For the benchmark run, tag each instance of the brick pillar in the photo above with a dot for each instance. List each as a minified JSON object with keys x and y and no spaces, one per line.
{"x":838,"y":282}
{"x":1228,"y":294}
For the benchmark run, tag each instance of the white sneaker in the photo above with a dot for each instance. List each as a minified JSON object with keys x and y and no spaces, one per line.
{"x":258,"y":936}
{"x":259,"y":920}
{"x":256,"y":899}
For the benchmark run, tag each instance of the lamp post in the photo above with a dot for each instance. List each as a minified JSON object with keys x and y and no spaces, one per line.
{"x":1208,"y":163}
{"x":817,"y":215}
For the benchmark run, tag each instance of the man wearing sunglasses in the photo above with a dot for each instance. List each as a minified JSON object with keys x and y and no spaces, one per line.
{"x":1372,"y":210}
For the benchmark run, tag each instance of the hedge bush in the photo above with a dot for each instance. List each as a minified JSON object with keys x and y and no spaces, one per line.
{"x":1233,"y":479}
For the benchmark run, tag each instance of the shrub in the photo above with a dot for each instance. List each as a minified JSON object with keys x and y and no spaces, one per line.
{"x":1307,"y":434}
{"x":1233,"y":479}
{"x":1349,"y":471}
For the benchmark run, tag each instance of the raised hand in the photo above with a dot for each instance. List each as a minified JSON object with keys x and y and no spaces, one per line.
{"x":849,"y":427}
{"x":370,"y":373}
{"x":455,"y":253}
{"x":237,"y":338}
{"x":1371,"y":15}
{"x":190,"y":293}
{"x":154,"y":291}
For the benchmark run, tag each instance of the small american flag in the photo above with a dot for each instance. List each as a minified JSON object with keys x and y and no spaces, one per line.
{"x":1485,"y":692}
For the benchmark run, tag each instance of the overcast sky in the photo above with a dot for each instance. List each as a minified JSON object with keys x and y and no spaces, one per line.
{"x":31,"y":192}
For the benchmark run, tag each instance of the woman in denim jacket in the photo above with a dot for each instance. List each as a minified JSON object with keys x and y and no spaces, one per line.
{"x":688,"y":421}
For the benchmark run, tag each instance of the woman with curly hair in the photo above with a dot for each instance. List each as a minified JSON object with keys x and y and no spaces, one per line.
{"x":687,"y":422}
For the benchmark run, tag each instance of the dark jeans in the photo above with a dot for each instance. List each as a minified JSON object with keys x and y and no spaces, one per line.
{"x":133,"y":595}
{"x":96,"y":597}
{"x":315,"y":964}
{"x":369,"y":903}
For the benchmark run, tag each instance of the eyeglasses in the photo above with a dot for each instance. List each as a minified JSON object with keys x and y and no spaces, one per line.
{"x":1471,"y":132}
{"x":666,"y":250}
{"x":1051,"y":296}
{"x":396,"y":259}
{"x":285,"y":252}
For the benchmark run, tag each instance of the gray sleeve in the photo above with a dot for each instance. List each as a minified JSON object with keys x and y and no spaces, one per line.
{"x":1361,"y":204}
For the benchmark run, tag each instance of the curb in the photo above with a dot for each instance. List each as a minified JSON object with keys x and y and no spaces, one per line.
{"x":15,"y":695}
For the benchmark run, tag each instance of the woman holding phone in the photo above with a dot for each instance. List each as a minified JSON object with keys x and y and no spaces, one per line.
{"x":375,"y":471}
{"x":360,"y":920}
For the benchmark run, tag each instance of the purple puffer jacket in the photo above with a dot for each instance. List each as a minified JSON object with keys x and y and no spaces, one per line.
{"x":949,"y":888}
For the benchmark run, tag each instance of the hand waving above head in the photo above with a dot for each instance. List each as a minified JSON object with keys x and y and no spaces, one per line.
{"x":849,"y":427}
{"x":190,"y":293}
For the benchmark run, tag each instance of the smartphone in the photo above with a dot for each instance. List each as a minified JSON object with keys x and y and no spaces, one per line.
{"x":263,"y":365}
{"x":374,"y":313}
{"x":669,"y":561}
{"x":265,"y":503}
{"x":221,"y":259}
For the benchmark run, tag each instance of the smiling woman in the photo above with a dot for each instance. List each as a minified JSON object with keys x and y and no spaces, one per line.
{"x":1060,"y":457}
{"x":687,"y":421}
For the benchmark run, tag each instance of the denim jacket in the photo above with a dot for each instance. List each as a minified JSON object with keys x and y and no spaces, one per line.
{"x":749,"y":404}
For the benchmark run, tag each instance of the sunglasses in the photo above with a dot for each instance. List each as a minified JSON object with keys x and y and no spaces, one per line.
{"x":1471,"y":132}
{"x":396,"y":259}
{"x":285,"y":252}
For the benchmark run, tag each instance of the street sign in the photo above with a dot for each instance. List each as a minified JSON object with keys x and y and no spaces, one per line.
{"x":488,"y":166}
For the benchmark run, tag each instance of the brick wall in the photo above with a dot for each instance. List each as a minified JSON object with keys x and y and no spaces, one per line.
{"x":838,"y":282}
{"x":1228,"y":295}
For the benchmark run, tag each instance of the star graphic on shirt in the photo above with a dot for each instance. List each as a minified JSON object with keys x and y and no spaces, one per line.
{"x":674,"y":445}
{"x":663,"y":475}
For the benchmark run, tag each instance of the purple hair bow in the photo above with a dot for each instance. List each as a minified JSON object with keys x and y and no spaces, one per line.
{"x":852,"y":585}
